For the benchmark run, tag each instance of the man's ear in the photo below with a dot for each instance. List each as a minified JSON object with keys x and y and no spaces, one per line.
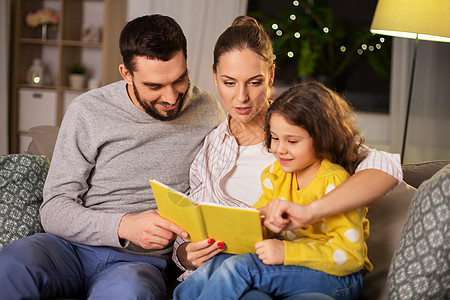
{"x":126,"y":74}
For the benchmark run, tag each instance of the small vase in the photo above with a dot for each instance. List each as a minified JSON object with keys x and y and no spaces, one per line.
{"x":44,"y":32}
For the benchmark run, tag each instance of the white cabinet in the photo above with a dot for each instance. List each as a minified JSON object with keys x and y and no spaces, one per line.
{"x":37,"y":107}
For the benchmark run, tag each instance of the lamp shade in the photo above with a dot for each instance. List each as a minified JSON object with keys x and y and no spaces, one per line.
{"x":424,"y":19}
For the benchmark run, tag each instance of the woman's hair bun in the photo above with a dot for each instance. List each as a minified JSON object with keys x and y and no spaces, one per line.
{"x":245,"y":21}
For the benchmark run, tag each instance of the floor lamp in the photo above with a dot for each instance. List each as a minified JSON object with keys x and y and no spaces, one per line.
{"x":414,"y":19}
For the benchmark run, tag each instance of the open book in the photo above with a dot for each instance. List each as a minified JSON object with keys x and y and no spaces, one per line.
{"x":238,"y":228}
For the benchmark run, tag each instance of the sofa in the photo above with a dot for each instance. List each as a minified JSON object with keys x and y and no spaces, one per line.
{"x":22,"y":177}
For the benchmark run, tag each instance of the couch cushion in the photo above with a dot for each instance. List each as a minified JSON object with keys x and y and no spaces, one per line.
{"x":416,"y":173}
{"x":421,"y":265}
{"x":22,"y":178}
{"x":386,"y":216}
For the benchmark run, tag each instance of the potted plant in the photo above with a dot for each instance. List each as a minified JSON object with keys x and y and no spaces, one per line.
{"x":77,"y":76}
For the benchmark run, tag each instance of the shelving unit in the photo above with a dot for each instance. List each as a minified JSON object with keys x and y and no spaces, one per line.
{"x":34,"y":105}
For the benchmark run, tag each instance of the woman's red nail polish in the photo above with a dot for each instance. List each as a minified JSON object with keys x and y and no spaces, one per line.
{"x":221,"y":248}
{"x":219,"y":244}
{"x":210,"y":241}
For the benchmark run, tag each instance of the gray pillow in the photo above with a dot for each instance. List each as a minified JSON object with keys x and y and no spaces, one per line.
{"x":22,"y":178}
{"x":420,"y":268}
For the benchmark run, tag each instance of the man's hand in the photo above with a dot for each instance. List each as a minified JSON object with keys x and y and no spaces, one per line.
{"x":149,"y":230}
{"x":193,"y":255}
{"x":270,"y":252}
{"x":281,"y":215}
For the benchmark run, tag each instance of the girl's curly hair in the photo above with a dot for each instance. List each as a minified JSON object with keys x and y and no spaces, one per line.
{"x":328,"y":119}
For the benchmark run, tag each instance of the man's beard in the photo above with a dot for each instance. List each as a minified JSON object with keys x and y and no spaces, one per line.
{"x":153,"y":112}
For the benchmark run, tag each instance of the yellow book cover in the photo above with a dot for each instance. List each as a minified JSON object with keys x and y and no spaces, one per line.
{"x":239,"y":228}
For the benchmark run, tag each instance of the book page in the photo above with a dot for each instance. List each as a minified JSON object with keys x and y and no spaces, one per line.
{"x":238,"y":228}
{"x":180,"y":209}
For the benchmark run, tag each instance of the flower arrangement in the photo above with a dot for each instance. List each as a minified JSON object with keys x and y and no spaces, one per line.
{"x":43,"y":16}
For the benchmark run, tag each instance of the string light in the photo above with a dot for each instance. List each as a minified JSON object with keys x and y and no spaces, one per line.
{"x":362,"y":50}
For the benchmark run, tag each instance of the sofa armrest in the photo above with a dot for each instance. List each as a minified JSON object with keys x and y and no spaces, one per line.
{"x":386,"y":216}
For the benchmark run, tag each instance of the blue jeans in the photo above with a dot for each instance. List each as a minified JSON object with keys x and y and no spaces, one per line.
{"x":45,"y":266}
{"x":231,"y":276}
{"x":258,"y":295}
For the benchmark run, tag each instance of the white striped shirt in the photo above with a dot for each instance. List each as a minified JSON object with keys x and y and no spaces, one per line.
{"x":218,"y":157}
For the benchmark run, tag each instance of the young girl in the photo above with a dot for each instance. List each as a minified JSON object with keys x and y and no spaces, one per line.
{"x":311,"y":132}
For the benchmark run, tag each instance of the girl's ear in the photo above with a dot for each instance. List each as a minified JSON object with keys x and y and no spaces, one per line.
{"x":126,"y":74}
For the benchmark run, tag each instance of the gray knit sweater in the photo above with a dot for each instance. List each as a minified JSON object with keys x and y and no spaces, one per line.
{"x":106,"y":152}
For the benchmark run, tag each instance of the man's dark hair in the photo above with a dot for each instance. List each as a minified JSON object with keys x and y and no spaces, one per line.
{"x":153,"y":36}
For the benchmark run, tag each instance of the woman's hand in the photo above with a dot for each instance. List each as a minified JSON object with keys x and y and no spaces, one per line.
{"x":270,"y":252}
{"x":193,"y":255}
{"x":281,"y":215}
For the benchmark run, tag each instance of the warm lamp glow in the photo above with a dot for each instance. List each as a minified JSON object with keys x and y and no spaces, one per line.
{"x":424,"y":19}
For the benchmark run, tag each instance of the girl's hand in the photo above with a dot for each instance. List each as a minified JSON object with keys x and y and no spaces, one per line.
{"x":193,"y":255}
{"x":270,"y":252}
{"x":282,"y":215}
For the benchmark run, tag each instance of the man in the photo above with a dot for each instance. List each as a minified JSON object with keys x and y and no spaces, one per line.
{"x":104,"y":238}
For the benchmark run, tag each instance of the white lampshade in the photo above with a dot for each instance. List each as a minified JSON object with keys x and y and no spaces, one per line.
{"x":424,"y":19}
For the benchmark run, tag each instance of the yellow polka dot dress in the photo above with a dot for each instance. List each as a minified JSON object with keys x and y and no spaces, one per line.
{"x":335,"y":245}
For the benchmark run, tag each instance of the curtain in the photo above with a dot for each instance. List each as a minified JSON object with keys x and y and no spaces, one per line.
{"x":428,"y":136}
{"x":202,"y":22}
{"x":4,"y":76}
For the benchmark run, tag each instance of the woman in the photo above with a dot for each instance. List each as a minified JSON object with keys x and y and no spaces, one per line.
{"x":227,"y":169}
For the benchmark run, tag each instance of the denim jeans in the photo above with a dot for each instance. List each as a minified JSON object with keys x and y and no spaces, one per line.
{"x":45,"y":266}
{"x":258,"y":295}
{"x":230,"y":276}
